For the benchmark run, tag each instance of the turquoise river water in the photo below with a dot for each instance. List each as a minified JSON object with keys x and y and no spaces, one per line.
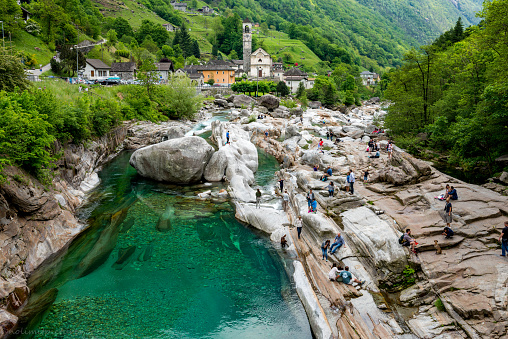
{"x":208,"y":276}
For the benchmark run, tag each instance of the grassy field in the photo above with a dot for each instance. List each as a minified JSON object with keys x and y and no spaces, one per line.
{"x":200,"y":29}
{"x":129,"y":10}
{"x":27,"y":43}
{"x":279,"y":44}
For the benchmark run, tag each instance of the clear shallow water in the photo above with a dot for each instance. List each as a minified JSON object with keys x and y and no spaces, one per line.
{"x":208,"y":276}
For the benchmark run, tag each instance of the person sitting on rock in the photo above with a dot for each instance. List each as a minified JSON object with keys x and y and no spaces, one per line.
{"x":448,"y":232}
{"x":409,"y":241}
{"x":329,"y":171}
{"x":453,"y":193}
{"x":316,"y":167}
{"x":444,"y":195}
{"x":330,"y":188}
{"x":283,"y":241}
{"x":377,"y":155}
{"x":334,"y":273}
{"x":337,"y":243}
{"x":347,"y":277}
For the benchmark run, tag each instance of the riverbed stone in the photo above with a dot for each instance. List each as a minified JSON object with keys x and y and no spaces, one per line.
{"x":269,"y":101}
{"x":179,"y":161}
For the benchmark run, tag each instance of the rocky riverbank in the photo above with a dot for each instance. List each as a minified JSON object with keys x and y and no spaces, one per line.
{"x":459,"y":293}
{"x":37,"y":222}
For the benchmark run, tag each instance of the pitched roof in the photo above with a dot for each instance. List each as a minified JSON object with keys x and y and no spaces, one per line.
{"x":295,"y":72}
{"x":220,"y":63}
{"x":164,"y":66}
{"x":237,"y":62}
{"x":246,"y":21}
{"x":260,"y":50}
{"x":123,"y":66}
{"x":97,"y":64}
{"x":367,"y":73}
{"x":214,"y":68}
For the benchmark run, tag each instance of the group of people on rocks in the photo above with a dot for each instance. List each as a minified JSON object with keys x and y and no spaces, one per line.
{"x":326,"y":248}
{"x":343,"y":275}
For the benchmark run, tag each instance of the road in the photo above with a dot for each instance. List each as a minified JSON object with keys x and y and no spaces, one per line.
{"x":47,"y":67}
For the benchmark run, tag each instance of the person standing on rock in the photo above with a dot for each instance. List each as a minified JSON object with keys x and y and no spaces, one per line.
{"x":389,"y":149}
{"x":366,"y":176}
{"x":281,"y":185}
{"x":327,"y":135}
{"x":320,"y":146}
{"x":285,"y":200}
{"x":258,"y":198}
{"x":266,"y":134}
{"x":337,"y":243}
{"x":351,"y":182}
{"x":227,"y":137}
{"x":503,"y":238}
{"x":310,"y":197}
{"x":330,"y":189}
{"x":324,"y":249}
{"x":299,"y":225}
{"x":447,"y":212}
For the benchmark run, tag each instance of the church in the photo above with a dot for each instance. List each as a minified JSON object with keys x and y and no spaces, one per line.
{"x":258,"y":64}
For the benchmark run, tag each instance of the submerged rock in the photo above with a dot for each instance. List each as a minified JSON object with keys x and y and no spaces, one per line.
{"x":179,"y":161}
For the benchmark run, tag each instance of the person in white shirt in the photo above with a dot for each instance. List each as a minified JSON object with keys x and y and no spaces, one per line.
{"x":299,"y":225}
{"x":285,"y":200}
{"x":334,"y":272}
{"x":351,"y":182}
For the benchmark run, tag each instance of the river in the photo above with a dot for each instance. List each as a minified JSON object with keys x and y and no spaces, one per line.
{"x":208,"y":276}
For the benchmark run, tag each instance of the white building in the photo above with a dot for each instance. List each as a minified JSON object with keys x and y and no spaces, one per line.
{"x":260,"y":64}
{"x":169,"y":27}
{"x":95,"y":69}
{"x":294,"y":77}
{"x":369,"y":78}
{"x":164,"y":69}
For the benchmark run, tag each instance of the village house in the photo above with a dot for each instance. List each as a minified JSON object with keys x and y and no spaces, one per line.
{"x":169,"y":27}
{"x":294,"y":76}
{"x":124,"y":70}
{"x":369,"y":78}
{"x":192,"y":72}
{"x":260,"y":64}
{"x":206,"y":10}
{"x":179,"y":6}
{"x":221,"y":72}
{"x":95,"y":69}
{"x":278,"y":70}
{"x":165,"y":70}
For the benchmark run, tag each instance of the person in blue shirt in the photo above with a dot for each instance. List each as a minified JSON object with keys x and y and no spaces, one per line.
{"x":337,"y":243}
{"x":347,"y":277}
{"x":227,"y":137}
{"x":313,"y":205}
{"x":453,"y":193}
{"x":329,"y":171}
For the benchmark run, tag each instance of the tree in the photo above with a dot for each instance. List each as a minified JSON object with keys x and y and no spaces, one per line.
{"x":211,"y":81}
{"x":122,"y":27}
{"x":282,"y":89}
{"x":301,"y":90}
{"x":264,"y":28}
{"x":195,"y":49}
{"x":112,"y":38}
{"x":215,"y":50}
{"x":233,"y":55}
{"x":148,"y":75}
{"x":179,"y":98}
{"x":12,"y":74}
{"x":194,"y":4}
{"x":192,"y":60}
{"x":68,"y":59}
{"x":167,"y":51}
{"x":149,"y":44}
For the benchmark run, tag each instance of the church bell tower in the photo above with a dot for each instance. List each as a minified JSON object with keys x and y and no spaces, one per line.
{"x":247,"y":45}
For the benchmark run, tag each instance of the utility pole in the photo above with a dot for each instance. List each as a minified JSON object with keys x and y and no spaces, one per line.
{"x":77,"y":63}
{"x":3,"y":37}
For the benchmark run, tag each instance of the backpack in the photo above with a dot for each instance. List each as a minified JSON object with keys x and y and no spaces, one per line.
{"x":401,"y":239}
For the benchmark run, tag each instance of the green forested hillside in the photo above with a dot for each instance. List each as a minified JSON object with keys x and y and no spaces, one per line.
{"x":451,"y":97}
{"x":424,"y":20}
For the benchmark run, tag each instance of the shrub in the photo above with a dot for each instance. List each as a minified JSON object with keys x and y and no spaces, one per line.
{"x":288,"y":103}
{"x":439,"y":305}
{"x":122,"y":53}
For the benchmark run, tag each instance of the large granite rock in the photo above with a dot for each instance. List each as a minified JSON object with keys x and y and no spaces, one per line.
{"x":179,"y":161}
{"x":269,"y":101}
{"x":375,"y":238}
{"x":238,"y":160}
{"x":314,"y":104}
{"x":292,"y":131}
{"x":221,"y":102}
{"x":243,"y":100}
